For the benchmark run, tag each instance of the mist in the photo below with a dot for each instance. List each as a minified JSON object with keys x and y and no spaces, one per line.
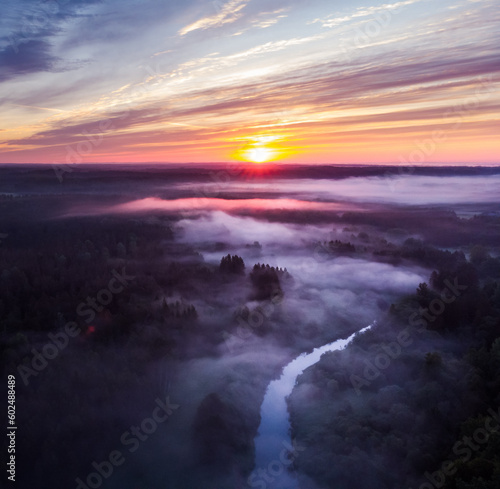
{"x":227,"y":283}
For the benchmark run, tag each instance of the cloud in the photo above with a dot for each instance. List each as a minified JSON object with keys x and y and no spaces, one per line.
{"x":67,"y":132}
{"x":28,"y":46}
{"x":322,"y":99}
{"x":318,"y":83}
{"x":333,"y":20}
{"x":227,"y":14}
{"x":32,"y":56}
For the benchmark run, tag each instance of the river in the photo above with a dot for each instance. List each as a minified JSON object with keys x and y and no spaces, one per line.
{"x":273,"y":443}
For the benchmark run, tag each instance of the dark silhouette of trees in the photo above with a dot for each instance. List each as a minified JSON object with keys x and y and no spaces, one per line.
{"x":255,"y":245}
{"x":179,"y":310}
{"x":232,"y":264}
{"x":220,"y":433}
{"x":266,"y":281}
{"x":338,"y":246}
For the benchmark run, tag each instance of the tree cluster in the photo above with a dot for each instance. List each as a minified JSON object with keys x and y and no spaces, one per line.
{"x":340,"y":246}
{"x":232,"y":264}
{"x":266,"y":281}
{"x":179,"y":310}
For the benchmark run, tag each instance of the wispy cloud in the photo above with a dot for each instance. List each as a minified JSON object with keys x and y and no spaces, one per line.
{"x":228,"y":13}
{"x":335,"y":20}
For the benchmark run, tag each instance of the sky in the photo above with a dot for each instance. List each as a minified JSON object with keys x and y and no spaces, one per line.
{"x":290,"y":81}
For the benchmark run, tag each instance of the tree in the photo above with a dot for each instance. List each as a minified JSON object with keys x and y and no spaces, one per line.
{"x":232,"y":264}
{"x":121,"y":251}
{"x":478,"y":254}
{"x":219,"y":433}
{"x":423,"y":290}
{"x":266,"y":281}
{"x":433,"y":359}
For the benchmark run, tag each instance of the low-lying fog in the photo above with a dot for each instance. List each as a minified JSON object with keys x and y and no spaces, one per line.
{"x":242,"y":341}
{"x":393,"y":188}
{"x":327,"y":297}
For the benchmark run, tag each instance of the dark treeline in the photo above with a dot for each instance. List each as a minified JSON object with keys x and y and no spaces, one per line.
{"x":16,"y":178}
{"x":441,"y":227}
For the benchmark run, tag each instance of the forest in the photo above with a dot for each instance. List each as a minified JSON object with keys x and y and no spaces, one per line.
{"x":406,"y":393}
{"x":108,"y":312}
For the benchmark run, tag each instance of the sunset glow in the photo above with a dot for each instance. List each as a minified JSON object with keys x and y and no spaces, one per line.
{"x":363,"y":82}
{"x":261,"y":149}
{"x":259,"y":154}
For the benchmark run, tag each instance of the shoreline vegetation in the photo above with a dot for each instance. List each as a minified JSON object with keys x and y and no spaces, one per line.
{"x":404,"y":394}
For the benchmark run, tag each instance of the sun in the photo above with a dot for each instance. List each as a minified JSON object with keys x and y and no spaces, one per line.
{"x":259,"y":154}
{"x":260,"y":148}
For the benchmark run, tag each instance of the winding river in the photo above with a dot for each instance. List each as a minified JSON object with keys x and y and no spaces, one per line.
{"x":273,"y":443}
